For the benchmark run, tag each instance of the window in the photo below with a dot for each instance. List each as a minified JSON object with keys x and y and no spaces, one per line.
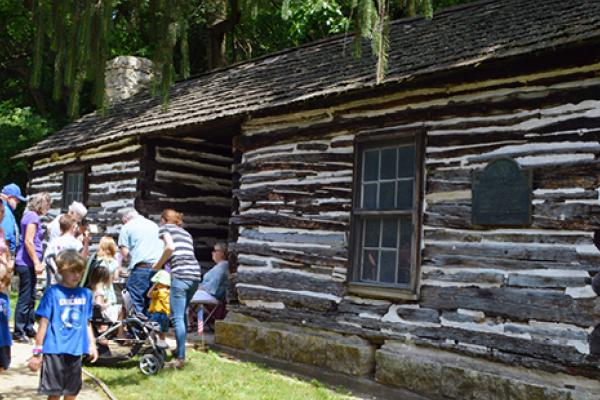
{"x":386,"y":216}
{"x":74,"y":187}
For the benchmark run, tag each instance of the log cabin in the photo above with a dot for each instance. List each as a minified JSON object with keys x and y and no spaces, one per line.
{"x":432,"y":232}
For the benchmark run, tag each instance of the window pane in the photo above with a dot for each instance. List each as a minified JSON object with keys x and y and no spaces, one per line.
{"x":371,"y":172}
{"x":388,"y":267}
{"x":406,"y":161}
{"x":369,"y":265}
{"x":390,"y":233}
{"x":74,"y":187}
{"x":388,"y":164}
{"x":387,"y":194}
{"x":371,"y":233}
{"x":370,"y":196}
{"x":404,"y":273}
{"x":404,"y":255}
{"x":405,"y":194}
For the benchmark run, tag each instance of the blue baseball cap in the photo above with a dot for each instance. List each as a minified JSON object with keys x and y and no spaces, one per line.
{"x":13,"y":190}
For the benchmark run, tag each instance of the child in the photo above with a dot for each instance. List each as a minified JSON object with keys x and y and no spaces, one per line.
{"x":99,"y":283}
{"x":66,"y":241}
{"x":107,"y":258}
{"x":159,"y":310}
{"x":65,"y":332}
{"x":5,"y":337}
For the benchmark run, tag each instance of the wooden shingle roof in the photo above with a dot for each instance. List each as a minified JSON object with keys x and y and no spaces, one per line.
{"x":457,"y":37}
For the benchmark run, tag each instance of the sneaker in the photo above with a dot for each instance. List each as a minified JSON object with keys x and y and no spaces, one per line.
{"x":162,"y":344}
{"x":177,"y":364}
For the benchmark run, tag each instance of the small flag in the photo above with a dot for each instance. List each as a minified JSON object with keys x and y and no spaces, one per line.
{"x":200,"y":320}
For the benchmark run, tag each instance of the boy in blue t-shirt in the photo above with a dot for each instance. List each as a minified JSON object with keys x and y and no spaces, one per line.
{"x":5,"y":337}
{"x":65,"y":332}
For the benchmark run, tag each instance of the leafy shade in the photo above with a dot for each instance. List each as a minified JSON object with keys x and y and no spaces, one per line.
{"x":20,"y":128}
{"x":78,"y":32}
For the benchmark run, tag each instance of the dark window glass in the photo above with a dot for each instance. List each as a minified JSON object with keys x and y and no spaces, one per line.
{"x":388,"y":163}
{"x":406,"y":161}
{"x":372,"y":230}
{"x":385,"y":213}
{"x":74,"y":188}
{"x":370,"y":196}
{"x":371,"y":166}
{"x":369,"y":265}
{"x":390,"y":233}
{"x":387,"y":194}
{"x":388,"y":267}
{"x":405,"y":194}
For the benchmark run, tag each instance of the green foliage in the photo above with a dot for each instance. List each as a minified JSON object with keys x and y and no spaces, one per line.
{"x":20,"y":128}
{"x":264,"y":28}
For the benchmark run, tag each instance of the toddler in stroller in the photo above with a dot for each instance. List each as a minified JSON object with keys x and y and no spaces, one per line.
{"x":143,"y":337}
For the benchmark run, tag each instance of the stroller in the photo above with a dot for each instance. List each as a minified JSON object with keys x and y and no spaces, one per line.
{"x":143,"y":336}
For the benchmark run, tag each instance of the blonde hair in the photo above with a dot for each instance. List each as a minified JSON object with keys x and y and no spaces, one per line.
{"x":5,"y":276}
{"x":70,"y":260}
{"x":107,"y":248}
{"x":38,"y":202}
{"x":66,"y":222}
{"x":172,"y":217}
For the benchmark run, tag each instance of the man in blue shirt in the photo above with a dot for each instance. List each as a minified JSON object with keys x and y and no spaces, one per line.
{"x":11,"y":196}
{"x":139,"y":241}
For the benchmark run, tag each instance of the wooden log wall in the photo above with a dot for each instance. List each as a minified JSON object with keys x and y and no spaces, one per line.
{"x":113,"y":172}
{"x":514,"y":295}
{"x":192,"y":176}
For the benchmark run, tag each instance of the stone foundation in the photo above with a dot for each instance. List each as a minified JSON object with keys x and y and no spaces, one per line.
{"x":350,"y":355}
{"x":443,"y":375}
{"x":429,"y":372}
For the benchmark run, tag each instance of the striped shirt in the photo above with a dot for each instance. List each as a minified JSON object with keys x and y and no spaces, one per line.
{"x":183,"y":261}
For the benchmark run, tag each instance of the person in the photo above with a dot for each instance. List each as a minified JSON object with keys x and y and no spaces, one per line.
{"x":11,"y":197}
{"x":107,"y":257}
{"x":5,"y":256}
{"x":28,"y":264}
{"x":77,"y":211}
{"x":159,"y":304}
{"x":185,"y":273}
{"x":99,"y":283}
{"x":214,"y":284}
{"x":66,"y":241}
{"x":65,"y":332}
{"x":5,"y":338}
{"x":139,"y":241}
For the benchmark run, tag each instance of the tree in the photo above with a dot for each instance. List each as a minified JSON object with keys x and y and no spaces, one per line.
{"x":79,"y":35}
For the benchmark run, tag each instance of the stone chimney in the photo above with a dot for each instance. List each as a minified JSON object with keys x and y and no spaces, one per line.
{"x":125,"y":76}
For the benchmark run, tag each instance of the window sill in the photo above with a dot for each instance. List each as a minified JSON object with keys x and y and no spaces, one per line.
{"x":382,"y":292}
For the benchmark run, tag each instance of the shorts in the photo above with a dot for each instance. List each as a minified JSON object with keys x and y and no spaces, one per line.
{"x":4,"y":357}
{"x":61,"y":375}
{"x":162,"y":319}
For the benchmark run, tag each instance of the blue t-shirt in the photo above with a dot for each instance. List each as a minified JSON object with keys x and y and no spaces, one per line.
{"x":140,"y":236}
{"x":11,"y":230}
{"x":5,"y":338}
{"x":68,"y":311}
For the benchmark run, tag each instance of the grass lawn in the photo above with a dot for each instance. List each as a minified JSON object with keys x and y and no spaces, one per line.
{"x":13,"y":302}
{"x":210,"y":376}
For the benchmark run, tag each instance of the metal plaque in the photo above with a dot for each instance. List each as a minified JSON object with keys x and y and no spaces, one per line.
{"x":501,"y":195}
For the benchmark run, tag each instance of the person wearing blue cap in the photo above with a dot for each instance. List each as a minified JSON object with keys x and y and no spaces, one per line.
{"x":11,"y":197}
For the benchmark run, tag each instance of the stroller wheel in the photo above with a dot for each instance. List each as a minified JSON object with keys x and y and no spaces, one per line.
{"x":150,"y":364}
